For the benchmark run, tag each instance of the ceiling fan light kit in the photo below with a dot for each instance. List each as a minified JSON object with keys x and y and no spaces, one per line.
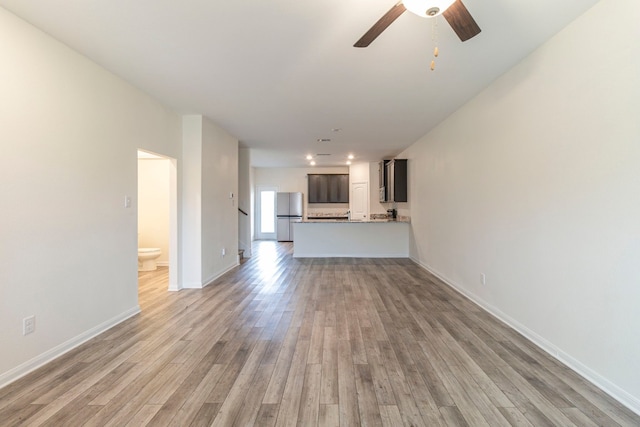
{"x":454,"y":12}
{"x":427,"y":8}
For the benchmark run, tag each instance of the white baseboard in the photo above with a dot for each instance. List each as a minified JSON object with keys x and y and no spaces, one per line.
{"x":46,"y":357}
{"x":613,"y":390}
{"x":209,"y":280}
{"x":217,"y":276}
{"x":191,"y":285}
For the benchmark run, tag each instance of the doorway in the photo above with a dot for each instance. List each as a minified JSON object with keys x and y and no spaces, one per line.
{"x":158,"y":209}
{"x":266,"y":213}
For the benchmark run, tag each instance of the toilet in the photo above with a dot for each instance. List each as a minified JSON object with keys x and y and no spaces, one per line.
{"x":147,"y":258}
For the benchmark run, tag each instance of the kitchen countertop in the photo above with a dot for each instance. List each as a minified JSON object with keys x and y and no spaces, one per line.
{"x":401,"y":219}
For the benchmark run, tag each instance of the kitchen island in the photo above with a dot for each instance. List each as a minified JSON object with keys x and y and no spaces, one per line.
{"x":352,"y":239}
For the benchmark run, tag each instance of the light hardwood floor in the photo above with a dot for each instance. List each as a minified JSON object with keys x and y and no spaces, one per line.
{"x":280,"y":341}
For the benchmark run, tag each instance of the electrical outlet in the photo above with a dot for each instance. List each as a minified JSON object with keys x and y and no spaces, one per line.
{"x":28,"y":325}
{"x":483,"y":279}
{"x":224,"y":251}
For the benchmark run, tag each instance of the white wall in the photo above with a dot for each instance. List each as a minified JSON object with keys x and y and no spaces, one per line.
{"x":359,"y":172}
{"x":291,"y":179}
{"x":219,"y":210}
{"x":153,"y":206}
{"x":69,"y":133}
{"x":295,"y":180}
{"x":190,"y":255}
{"x":535,"y":183}
{"x":245,"y":183}
{"x":209,"y":220}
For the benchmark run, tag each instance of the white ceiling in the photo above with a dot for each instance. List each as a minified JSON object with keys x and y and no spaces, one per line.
{"x":281,"y":74}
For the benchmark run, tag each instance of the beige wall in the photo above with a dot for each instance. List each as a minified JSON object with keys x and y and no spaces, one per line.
{"x":245,"y":185}
{"x":153,"y":206}
{"x":535,"y":184}
{"x":295,"y":180}
{"x":209,"y":215}
{"x":219,"y":201}
{"x":69,"y":138}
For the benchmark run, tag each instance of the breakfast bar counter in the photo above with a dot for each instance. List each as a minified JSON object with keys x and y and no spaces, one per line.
{"x":352,"y":239}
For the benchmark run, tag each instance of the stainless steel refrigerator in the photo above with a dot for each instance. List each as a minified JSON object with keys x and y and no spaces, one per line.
{"x":288,"y":211}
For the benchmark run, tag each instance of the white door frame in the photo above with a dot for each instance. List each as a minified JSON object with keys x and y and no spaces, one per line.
{"x":174,"y":281}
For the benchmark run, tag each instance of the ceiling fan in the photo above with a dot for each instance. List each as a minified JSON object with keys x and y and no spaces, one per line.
{"x":453,"y":11}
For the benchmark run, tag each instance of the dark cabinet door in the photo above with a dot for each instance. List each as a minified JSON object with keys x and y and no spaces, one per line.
{"x":397,"y":180}
{"x":318,"y":188}
{"x":382,"y":173}
{"x":338,"y":188}
{"x":326,"y":188}
{"x":343,"y":189}
{"x":323,"y":189}
{"x":332,"y":181}
{"x":314,"y":189}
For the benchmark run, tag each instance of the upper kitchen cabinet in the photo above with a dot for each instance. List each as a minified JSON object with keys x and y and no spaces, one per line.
{"x":328,"y":188}
{"x":393,"y":180}
{"x":382,"y":173}
{"x":318,"y":189}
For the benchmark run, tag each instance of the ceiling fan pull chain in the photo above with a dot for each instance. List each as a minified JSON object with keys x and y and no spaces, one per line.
{"x":434,"y":38}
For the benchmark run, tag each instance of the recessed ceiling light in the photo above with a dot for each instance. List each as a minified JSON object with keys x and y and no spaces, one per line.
{"x":309,"y":157}
{"x":312,"y":163}
{"x":350,"y":156}
{"x":348,"y":162}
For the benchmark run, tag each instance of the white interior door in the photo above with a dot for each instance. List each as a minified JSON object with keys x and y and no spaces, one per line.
{"x":266,"y":213}
{"x":359,"y":201}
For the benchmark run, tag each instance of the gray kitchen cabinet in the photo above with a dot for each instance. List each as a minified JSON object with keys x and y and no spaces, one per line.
{"x":328,"y":188}
{"x":394,"y":180}
{"x":318,"y":191}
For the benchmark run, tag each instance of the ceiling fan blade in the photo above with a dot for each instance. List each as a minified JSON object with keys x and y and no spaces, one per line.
{"x":381,"y":25}
{"x":461,"y":21}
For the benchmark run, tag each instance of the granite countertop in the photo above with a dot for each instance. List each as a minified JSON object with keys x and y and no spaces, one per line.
{"x":327,"y":218}
{"x":403,"y":219}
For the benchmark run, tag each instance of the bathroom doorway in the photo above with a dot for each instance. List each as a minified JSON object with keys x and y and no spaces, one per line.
{"x":157,"y":210}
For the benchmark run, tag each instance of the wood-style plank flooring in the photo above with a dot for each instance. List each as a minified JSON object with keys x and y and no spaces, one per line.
{"x":329,"y":342}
